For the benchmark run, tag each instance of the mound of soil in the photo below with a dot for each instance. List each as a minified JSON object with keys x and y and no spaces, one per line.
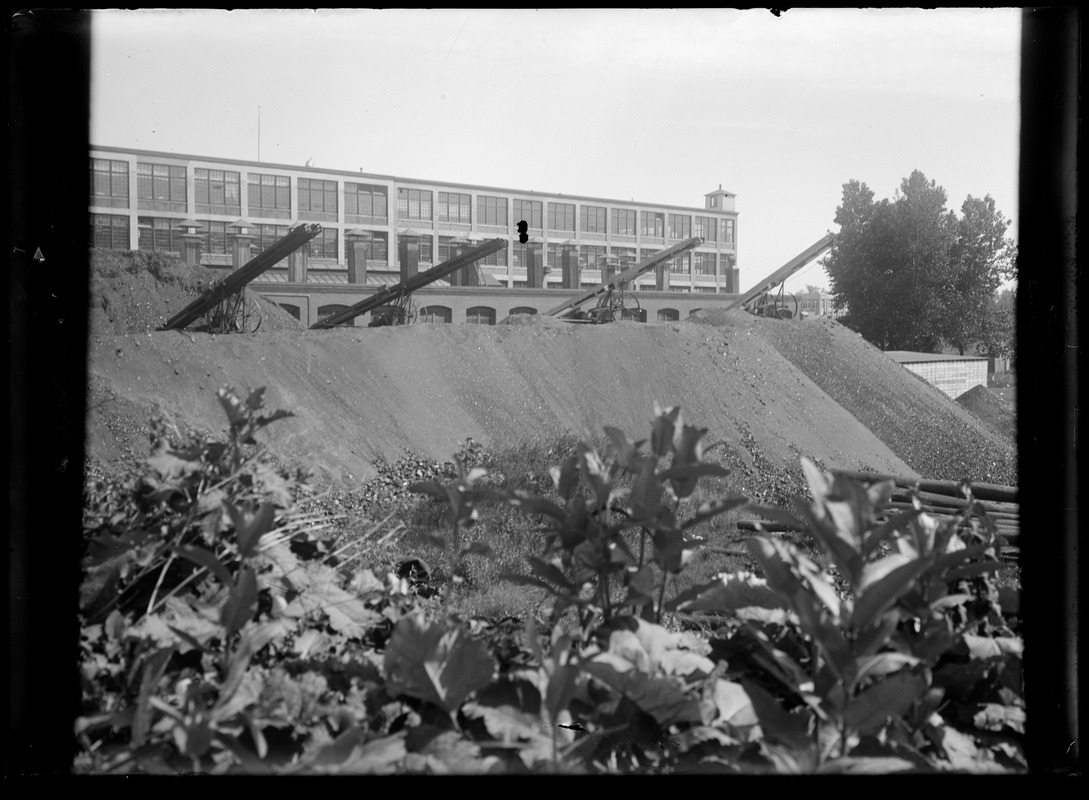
{"x":995,"y":412}
{"x":770,"y":390}
{"x":134,"y":292}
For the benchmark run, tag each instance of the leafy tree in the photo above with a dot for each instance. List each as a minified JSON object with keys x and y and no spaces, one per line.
{"x":981,"y":260}
{"x":910,"y":273}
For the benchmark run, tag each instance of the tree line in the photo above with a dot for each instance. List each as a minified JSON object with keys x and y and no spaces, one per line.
{"x":911,"y":274}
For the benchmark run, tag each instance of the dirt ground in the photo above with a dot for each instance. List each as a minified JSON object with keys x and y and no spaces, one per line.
{"x":771,"y":389}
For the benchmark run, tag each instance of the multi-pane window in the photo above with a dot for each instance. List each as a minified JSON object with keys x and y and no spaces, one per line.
{"x":480,"y":315}
{"x":160,"y":182}
{"x":590,"y":255}
{"x":491,"y":210}
{"x":728,"y":231}
{"x":554,"y":256}
{"x":530,"y":212}
{"x":623,"y":220}
{"x":706,"y":228}
{"x":269,"y":193}
{"x":680,"y":226}
{"x":268,"y":235}
{"x":434,"y":314}
{"x":427,"y":251}
{"x":110,"y":231}
{"x":626,"y":256}
{"x":379,"y":248}
{"x":681,"y":264}
{"x":217,"y":187}
{"x":159,"y":233}
{"x":703,"y":263}
{"x":561,"y":217}
{"x":318,"y":196}
{"x":110,"y":179}
{"x":213,"y":237}
{"x":653,"y":224}
{"x":324,"y":245}
{"x":592,"y":219}
{"x":414,"y":203}
{"x":455,"y":207}
{"x":364,"y":200}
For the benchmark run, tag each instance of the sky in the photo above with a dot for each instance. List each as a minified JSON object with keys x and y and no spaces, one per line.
{"x":653,"y":105}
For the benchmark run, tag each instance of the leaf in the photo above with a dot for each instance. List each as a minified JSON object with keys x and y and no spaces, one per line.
{"x":526,"y":502}
{"x":203,"y":558}
{"x":662,"y":429}
{"x":891,"y":697}
{"x":627,"y":454}
{"x":984,"y":647}
{"x":561,"y":688}
{"x":661,"y":698}
{"x":713,"y":508}
{"x":880,"y":596}
{"x":728,"y":593}
{"x":437,"y":662}
{"x":250,"y":534}
{"x":776,"y":723}
{"x":997,"y":717}
{"x":733,"y":704}
{"x":566,"y":477}
{"x":241,"y":603}
{"x":549,"y":572}
{"x":149,"y":682}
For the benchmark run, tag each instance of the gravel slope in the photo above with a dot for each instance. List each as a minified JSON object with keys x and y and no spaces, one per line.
{"x":771,"y":390}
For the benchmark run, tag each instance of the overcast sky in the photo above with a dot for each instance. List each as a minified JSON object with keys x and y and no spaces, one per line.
{"x":652,"y":105}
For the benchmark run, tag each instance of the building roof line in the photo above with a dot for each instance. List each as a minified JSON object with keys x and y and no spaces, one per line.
{"x":400,"y":179}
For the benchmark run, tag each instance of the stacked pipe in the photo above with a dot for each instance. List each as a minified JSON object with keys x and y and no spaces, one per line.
{"x":942,"y":500}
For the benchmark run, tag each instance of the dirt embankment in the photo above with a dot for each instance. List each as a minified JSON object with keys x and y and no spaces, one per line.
{"x":771,"y":390}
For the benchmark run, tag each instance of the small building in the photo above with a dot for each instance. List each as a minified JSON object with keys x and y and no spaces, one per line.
{"x":952,"y":374}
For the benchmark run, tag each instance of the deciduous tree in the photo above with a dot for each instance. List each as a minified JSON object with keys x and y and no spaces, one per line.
{"x":910,"y":273}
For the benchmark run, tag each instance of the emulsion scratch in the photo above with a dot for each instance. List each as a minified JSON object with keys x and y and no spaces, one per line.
{"x":642,"y":128}
{"x":448,"y":52}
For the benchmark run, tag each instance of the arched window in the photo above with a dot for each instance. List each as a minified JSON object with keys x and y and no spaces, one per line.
{"x":293,"y":310}
{"x":386,"y":315}
{"x":333,"y":308}
{"x":480,"y":315}
{"x":668,"y":315}
{"x":522,"y":310}
{"x":434,"y":314}
{"x":634,"y":314}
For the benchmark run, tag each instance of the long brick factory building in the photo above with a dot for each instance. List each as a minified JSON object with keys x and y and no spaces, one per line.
{"x":378,"y":229}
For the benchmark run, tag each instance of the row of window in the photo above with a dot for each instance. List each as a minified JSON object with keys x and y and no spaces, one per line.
{"x":219,"y":191}
{"x":111,"y":231}
{"x":477,"y":315}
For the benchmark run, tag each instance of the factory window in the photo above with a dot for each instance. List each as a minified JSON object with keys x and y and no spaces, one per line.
{"x":480,"y":315}
{"x":491,"y":210}
{"x":378,"y":248}
{"x":728,"y":235}
{"x":523,"y":310}
{"x":668,"y":315}
{"x":110,"y":231}
{"x":414,"y":203}
{"x":518,"y":255}
{"x":110,"y":181}
{"x":324,"y":245}
{"x":335,"y":308}
{"x":269,"y":193}
{"x":680,"y":226}
{"x":703,"y":263}
{"x":653,"y":224}
{"x":268,"y":235}
{"x":291,"y":309}
{"x":528,"y":211}
{"x":455,"y":207}
{"x":213,"y":237}
{"x":426,"y":244}
{"x":682,"y":264}
{"x":626,"y":255}
{"x":364,"y":200}
{"x":706,"y":228}
{"x":318,"y":199}
{"x":634,"y":314}
{"x":561,"y":217}
{"x":161,"y":183}
{"x":159,"y":233}
{"x":592,"y":219}
{"x":434,"y":314}
{"x":217,"y":190}
{"x":590,"y":255}
{"x":623,"y":222}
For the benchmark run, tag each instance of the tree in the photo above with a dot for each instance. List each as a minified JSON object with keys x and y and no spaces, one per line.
{"x":910,"y":274}
{"x":982,"y":259}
